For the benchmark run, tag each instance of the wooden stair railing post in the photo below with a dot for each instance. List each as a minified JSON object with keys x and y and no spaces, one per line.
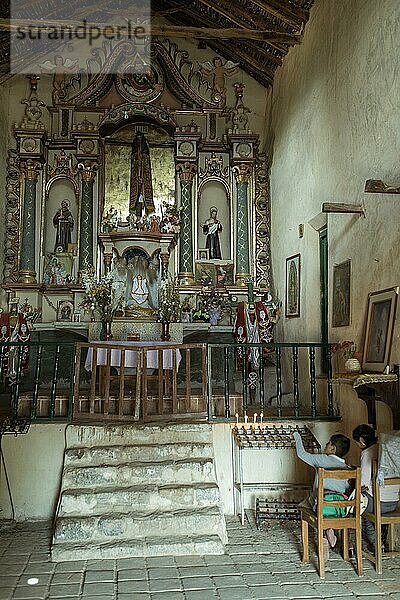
{"x":121,"y":383}
{"x":78,"y":354}
{"x":93,"y":381}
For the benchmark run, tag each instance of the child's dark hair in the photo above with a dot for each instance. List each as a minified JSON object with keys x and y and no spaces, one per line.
{"x":367,"y":433}
{"x":341,"y":443}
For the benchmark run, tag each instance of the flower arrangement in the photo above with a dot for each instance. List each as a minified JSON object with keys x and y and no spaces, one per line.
{"x":169,"y":303}
{"x":98,"y":295}
{"x":210,"y":297}
{"x":349,"y":349}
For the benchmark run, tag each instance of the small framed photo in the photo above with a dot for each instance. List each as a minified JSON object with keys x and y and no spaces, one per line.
{"x":292,"y":304}
{"x":203,"y":254}
{"x":381,"y":316}
{"x":65,"y":310}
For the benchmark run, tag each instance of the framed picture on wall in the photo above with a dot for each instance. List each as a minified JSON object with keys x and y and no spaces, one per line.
{"x":65,"y":310}
{"x":292,"y":304}
{"x":203,"y":254}
{"x":341,"y":294}
{"x":381,"y":316}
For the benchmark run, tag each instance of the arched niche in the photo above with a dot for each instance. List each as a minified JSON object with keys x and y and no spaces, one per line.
{"x":138,"y":261}
{"x":213,"y":193}
{"x":117,"y":166}
{"x":59,"y":189}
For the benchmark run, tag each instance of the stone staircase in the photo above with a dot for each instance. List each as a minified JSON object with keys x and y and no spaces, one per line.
{"x":138,"y":490}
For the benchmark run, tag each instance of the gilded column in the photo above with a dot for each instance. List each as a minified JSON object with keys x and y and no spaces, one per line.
{"x":27,"y":273}
{"x":88,"y":173}
{"x":242,"y":174}
{"x":186,"y":172}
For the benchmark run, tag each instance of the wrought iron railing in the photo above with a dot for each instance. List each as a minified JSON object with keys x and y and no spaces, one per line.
{"x":214,"y":382}
{"x":280,"y":380}
{"x":36,"y":379}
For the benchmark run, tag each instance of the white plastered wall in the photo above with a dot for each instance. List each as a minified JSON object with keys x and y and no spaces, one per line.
{"x":334,"y":124}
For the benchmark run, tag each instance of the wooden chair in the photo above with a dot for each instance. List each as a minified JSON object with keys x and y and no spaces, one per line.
{"x":352,"y":520}
{"x":378,"y":519}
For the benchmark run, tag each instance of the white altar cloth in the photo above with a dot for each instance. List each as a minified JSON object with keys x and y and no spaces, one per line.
{"x":131,"y":356}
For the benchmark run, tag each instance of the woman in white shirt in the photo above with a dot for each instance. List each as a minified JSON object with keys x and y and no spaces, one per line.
{"x":367,"y":441}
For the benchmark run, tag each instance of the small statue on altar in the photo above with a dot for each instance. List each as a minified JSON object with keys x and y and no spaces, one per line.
{"x":140,"y":293}
{"x":211,"y":229}
{"x":63,"y":220}
{"x":110,"y":220}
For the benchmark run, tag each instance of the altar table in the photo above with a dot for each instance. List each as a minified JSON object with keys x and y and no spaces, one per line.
{"x":131,"y":356}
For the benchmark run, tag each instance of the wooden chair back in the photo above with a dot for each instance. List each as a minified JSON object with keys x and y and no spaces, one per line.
{"x":351,"y":518}
{"x":378,"y":519}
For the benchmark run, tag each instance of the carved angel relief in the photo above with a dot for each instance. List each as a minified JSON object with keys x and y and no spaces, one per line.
{"x":219,"y":71}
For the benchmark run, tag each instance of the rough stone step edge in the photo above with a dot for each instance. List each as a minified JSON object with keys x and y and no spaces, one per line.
{"x":198,"y":546}
{"x":156,"y":454}
{"x":203,"y":512}
{"x":182,"y":462}
{"x":87,"y":435}
{"x":155,"y":446}
{"x":147,"y":487}
{"x":137,"y":525}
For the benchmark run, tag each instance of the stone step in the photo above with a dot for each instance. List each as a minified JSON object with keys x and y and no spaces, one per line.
{"x":88,"y":436}
{"x":123,"y":475}
{"x":82,"y":502}
{"x":137,"y":525}
{"x":150,"y":546}
{"x":111,"y":455}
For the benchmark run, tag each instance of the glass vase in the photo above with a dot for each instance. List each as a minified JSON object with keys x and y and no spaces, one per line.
{"x":105,"y":331}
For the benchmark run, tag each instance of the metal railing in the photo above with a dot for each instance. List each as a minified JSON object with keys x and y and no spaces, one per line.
{"x":50,"y":380}
{"x":36,"y":379}
{"x":278,"y":379}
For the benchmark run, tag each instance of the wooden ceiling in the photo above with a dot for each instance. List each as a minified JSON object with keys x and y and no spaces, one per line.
{"x":255,"y":33}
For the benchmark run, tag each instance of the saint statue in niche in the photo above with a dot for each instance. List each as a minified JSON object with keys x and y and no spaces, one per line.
{"x":141,"y":193}
{"x":211,"y":229}
{"x":63,"y":221}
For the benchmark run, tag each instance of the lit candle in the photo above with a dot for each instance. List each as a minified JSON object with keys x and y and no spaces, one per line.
{"x":261,"y":417}
{"x":237,"y":419}
{"x":245,"y":417}
{"x":255,"y":418}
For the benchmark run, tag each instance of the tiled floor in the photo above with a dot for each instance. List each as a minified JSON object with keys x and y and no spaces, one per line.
{"x":257,"y":565}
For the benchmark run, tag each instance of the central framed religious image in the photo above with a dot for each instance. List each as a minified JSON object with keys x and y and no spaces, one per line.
{"x":65,"y":310}
{"x":381,"y":316}
{"x":292,"y":296}
{"x":341,"y":295}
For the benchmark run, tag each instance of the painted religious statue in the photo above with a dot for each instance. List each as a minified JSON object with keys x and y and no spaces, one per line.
{"x":63,"y":221}
{"x":141,"y":189}
{"x":212,"y":228}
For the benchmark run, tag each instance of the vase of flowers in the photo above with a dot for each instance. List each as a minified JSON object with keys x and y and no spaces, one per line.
{"x":351,"y":356}
{"x":169,"y":310}
{"x":98,"y":299}
{"x":212,"y":301}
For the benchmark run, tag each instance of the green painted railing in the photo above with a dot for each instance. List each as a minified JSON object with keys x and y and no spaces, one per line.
{"x":36,"y":379}
{"x":280,"y":380}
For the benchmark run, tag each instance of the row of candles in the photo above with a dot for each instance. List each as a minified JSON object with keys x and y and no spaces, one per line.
{"x":246,"y":418}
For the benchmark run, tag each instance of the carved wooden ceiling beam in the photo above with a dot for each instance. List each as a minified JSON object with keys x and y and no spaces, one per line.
{"x":173,"y":31}
{"x":285,"y":11}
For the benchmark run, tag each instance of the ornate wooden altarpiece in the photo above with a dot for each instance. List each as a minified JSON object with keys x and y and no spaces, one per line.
{"x":62,"y":157}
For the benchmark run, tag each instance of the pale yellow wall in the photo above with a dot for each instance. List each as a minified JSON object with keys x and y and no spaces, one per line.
{"x":34,"y":463}
{"x":335,"y":113}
